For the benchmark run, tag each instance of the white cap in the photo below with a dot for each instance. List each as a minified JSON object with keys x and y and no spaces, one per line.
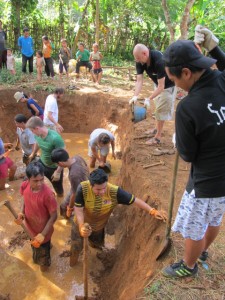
{"x":18,"y":96}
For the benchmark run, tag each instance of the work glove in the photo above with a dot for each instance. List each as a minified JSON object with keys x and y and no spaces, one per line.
{"x":205,"y":38}
{"x":133,"y":100}
{"x":147,"y":103}
{"x":69,"y":211}
{"x":158,"y":214}
{"x":20,"y":218}
{"x":85,"y":230}
{"x":38,"y":240}
{"x":55,"y":176}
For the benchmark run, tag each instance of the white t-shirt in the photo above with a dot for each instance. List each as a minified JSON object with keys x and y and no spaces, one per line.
{"x":10,"y":62}
{"x":93,"y":141}
{"x":51,"y":106}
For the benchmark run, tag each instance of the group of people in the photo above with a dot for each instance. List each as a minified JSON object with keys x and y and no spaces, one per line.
{"x":91,"y":198}
{"x":200,"y":140}
{"x":200,"y":131}
{"x":43,"y":59}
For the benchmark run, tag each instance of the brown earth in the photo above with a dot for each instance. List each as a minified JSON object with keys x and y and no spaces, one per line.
{"x":138,"y":235}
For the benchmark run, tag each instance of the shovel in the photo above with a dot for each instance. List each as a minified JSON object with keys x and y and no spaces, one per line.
{"x":167,"y":243}
{"x":85,"y":271}
{"x":11,"y":209}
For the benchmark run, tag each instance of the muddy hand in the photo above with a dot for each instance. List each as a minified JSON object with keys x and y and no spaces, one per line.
{"x":113,"y":155}
{"x":20,"y":218}
{"x":158,"y":214}
{"x":69,"y":211}
{"x":56,"y":176}
{"x":85,"y":230}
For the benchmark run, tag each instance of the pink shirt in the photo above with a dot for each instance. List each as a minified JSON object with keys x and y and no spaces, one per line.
{"x":38,"y":207}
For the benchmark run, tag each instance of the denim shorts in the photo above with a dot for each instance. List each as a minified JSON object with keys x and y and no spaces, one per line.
{"x":196,"y":214}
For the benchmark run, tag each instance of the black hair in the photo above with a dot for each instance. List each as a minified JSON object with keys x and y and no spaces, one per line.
{"x":59,"y":154}
{"x":40,"y":53}
{"x":25,"y":29}
{"x":20,"y":118}
{"x":81,"y":44}
{"x":103,"y":138}
{"x":59,"y":91}
{"x":25,"y":95}
{"x":98,"y":176}
{"x":34,"y":169}
{"x":177,"y":71}
{"x":45,"y":38}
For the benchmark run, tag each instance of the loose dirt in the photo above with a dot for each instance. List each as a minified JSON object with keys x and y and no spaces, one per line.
{"x":130,"y":270}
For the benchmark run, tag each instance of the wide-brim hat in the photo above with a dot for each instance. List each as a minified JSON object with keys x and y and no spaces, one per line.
{"x":18,"y":96}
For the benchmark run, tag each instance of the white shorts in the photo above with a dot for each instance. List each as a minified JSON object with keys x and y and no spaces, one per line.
{"x":164,"y":104}
{"x":196,"y":214}
{"x":104,"y":151}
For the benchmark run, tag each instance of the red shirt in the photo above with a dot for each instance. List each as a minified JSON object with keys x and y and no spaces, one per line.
{"x":38,"y":207}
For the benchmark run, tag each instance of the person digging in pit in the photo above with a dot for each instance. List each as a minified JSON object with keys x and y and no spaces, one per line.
{"x":95,"y":200}
{"x":78,"y":172}
{"x":99,"y":141}
{"x":39,"y":212}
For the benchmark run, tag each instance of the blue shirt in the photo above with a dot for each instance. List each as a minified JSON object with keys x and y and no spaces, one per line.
{"x":31,"y":101}
{"x":26,"y":45}
{"x":2,"y":149}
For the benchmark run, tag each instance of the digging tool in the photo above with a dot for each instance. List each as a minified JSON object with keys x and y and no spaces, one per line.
{"x":132,"y":111}
{"x":85,"y":270}
{"x":155,"y":164}
{"x":167,"y":243}
{"x":11,"y":209}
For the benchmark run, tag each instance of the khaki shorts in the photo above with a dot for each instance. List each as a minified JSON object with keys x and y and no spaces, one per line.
{"x":164,"y":104}
{"x":104,"y":151}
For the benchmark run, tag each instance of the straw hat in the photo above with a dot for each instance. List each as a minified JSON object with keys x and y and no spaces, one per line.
{"x":18,"y":96}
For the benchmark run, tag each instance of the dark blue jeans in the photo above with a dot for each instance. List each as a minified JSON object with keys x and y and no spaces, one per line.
{"x":24,"y":63}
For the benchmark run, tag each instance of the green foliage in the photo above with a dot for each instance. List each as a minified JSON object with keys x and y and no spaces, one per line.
{"x":7,"y":78}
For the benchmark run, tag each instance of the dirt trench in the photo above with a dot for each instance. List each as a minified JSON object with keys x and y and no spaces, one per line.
{"x":137,"y":234}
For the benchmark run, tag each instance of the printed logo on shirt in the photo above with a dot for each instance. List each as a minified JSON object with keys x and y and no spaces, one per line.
{"x":220,"y":113}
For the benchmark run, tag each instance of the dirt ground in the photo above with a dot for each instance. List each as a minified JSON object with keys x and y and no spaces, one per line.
{"x":131,"y":270}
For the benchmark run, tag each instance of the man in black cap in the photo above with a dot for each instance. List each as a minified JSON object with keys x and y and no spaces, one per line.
{"x":25,"y":43}
{"x":200,"y":127}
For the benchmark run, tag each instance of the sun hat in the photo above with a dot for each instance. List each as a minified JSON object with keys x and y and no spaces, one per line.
{"x":18,"y":96}
{"x":184,"y":52}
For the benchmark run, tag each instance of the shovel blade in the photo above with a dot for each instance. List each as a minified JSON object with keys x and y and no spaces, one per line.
{"x":165,"y":248}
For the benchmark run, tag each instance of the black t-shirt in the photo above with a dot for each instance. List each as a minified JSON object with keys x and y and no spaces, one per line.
{"x":200,"y":134}
{"x":123,"y":197}
{"x":156,"y":70}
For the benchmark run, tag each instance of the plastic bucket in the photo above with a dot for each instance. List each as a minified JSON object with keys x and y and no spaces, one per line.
{"x":106,"y":168}
{"x":139,"y":113}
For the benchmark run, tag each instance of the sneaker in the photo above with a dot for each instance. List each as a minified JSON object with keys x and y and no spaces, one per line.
{"x":203,"y":257}
{"x":179,"y":270}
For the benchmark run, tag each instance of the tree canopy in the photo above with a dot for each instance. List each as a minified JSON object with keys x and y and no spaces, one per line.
{"x":118,"y":25}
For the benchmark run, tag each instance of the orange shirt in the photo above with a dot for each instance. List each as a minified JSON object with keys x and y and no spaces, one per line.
{"x":47,"y":49}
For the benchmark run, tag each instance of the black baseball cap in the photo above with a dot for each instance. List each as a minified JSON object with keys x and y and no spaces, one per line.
{"x":184,"y":52}
{"x":25,"y":29}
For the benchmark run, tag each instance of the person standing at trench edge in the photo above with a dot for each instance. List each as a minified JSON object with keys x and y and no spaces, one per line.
{"x":200,"y":140}
{"x":95,"y":200}
{"x":26,"y":44}
{"x":164,"y":93}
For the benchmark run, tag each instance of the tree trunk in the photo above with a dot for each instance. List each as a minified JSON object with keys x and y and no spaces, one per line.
{"x":79,"y":30}
{"x":16,"y":7}
{"x":97,"y":22}
{"x":168,"y":21}
{"x":185,"y":20}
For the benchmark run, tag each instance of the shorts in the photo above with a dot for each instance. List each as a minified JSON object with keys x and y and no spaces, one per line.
{"x":164,"y":104}
{"x":96,"y":239}
{"x":196,"y":214}
{"x":41,"y":255}
{"x":97,"y":71}
{"x":104,"y":151}
{"x":5,"y":166}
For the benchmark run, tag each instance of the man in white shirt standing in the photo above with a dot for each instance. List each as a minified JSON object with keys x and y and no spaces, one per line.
{"x":51,"y":111}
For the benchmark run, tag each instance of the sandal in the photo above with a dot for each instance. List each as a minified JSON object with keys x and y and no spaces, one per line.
{"x":151,"y":131}
{"x":152,"y":142}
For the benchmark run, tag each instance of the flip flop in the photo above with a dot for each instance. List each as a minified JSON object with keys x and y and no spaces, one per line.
{"x":152,"y":142}
{"x":151,"y":131}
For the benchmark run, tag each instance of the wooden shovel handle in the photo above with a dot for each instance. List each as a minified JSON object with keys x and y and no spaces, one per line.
{"x":11,"y":209}
{"x":85,"y":264}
